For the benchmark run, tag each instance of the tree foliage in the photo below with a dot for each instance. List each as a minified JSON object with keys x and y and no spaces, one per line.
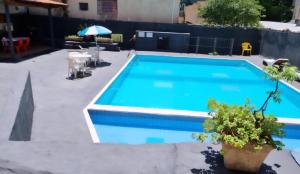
{"x":243,"y":13}
{"x":277,"y":10}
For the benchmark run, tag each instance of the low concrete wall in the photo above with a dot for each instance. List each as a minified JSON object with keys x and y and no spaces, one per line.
{"x":21,"y":130}
{"x":281,"y":44}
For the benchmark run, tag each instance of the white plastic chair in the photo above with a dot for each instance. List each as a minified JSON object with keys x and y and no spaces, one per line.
{"x":95,"y":55}
{"x":75,"y":65}
{"x":82,"y":49}
{"x":272,"y":62}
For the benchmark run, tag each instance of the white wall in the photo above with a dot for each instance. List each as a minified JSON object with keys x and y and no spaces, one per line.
{"x":296,"y":14}
{"x":148,"y":10}
{"x":74,"y":11}
{"x":165,"y":11}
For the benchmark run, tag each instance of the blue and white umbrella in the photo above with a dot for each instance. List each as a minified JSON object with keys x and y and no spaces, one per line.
{"x":94,"y":31}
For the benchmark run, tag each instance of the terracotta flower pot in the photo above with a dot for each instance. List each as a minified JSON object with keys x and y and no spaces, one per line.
{"x":246,"y":159}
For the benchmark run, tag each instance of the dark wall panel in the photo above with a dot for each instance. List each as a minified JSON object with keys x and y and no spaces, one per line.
{"x":163,"y":41}
{"x":39,"y":27}
{"x":281,"y":44}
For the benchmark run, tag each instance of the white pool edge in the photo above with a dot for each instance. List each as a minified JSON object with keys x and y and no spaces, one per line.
{"x":163,"y":112}
{"x":156,"y":111}
{"x":91,"y":127}
{"x":170,"y":112}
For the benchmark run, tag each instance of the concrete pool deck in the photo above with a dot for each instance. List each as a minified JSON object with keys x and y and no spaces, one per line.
{"x":61,"y":142}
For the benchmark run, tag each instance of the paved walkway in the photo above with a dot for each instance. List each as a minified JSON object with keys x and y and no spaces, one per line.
{"x":61,"y":142}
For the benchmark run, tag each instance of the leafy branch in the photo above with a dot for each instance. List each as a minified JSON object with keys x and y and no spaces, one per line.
{"x":277,"y":73}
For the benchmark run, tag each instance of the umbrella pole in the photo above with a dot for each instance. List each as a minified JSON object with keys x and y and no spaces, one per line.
{"x":97,"y":47}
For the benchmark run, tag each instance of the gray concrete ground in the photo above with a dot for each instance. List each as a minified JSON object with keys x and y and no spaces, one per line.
{"x":61,"y":142}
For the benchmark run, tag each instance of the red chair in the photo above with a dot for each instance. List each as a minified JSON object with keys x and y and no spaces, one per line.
{"x":26,"y":44}
{"x":5,"y":44}
{"x":18,"y":46}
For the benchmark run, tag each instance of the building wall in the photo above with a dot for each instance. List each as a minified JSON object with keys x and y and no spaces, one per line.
{"x":165,"y":11}
{"x":296,"y":14}
{"x":73,"y":10}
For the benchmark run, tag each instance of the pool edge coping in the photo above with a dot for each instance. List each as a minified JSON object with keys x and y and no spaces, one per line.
{"x":91,"y":127}
{"x":172,"y":112}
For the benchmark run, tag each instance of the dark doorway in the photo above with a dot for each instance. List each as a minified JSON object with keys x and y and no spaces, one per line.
{"x":163,"y":43}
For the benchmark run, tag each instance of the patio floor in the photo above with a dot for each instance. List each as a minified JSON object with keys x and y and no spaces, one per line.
{"x":32,"y":51}
{"x":61,"y":143}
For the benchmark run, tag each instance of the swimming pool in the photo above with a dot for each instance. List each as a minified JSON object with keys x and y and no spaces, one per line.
{"x":163,"y":99}
{"x":140,"y":128}
{"x":182,"y":83}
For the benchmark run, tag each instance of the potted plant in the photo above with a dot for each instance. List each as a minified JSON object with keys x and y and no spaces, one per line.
{"x":246,"y":133}
{"x":74,"y":38}
{"x":104,"y":40}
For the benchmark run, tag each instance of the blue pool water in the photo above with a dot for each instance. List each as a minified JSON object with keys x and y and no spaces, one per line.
{"x":184,"y":84}
{"x":138,"y":128}
{"x":188,"y":83}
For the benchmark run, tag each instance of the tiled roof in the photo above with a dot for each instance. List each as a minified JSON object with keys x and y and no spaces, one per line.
{"x":38,"y":3}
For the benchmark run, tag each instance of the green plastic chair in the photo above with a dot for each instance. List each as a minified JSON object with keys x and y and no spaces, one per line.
{"x":117,"y":38}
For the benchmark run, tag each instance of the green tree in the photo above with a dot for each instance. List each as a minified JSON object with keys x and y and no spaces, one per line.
{"x":242,"y":13}
{"x":277,"y":10}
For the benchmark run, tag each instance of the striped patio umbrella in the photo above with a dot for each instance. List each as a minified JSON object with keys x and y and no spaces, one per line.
{"x":94,"y":31}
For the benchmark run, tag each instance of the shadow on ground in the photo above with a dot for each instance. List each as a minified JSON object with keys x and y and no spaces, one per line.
{"x":80,"y":75}
{"x":216,"y":165}
{"x":102,"y":64}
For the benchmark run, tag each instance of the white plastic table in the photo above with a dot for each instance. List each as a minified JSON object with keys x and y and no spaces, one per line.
{"x":80,"y":57}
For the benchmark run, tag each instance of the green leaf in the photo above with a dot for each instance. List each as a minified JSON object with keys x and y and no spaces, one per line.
{"x":200,"y":136}
{"x":212,"y":104}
